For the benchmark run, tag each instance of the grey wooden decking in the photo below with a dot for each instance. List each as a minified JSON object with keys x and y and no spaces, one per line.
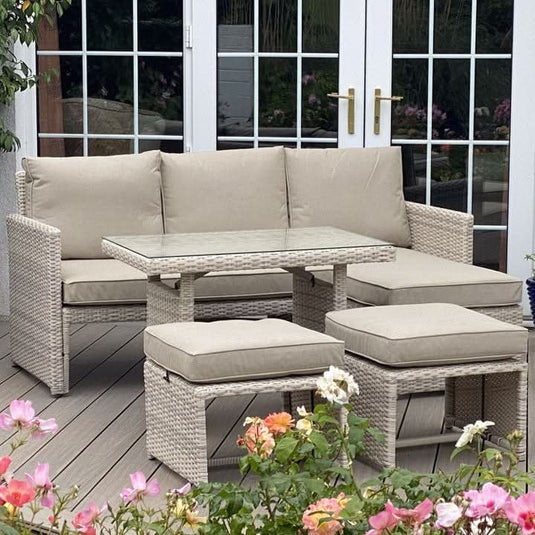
{"x":101,"y":436}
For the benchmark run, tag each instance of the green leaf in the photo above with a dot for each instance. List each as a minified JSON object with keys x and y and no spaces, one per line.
{"x":7,"y":530}
{"x":377,"y":434}
{"x":319,"y":441}
{"x":285,"y":449}
{"x":352,"y":508}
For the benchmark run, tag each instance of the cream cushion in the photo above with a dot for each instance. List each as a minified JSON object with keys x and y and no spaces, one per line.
{"x":237,"y":350}
{"x":88,"y":198}
{"x":416,"y":277}
{"x":224,"y":190}
{"x":100,"y":282}
{"x":425,"y":334}
{"x":359,"y":190}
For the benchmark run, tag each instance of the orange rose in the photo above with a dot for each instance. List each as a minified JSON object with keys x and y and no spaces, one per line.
{"x":279,"y":422}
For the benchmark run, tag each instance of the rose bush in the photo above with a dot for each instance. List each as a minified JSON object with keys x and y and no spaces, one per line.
{"x":301,"y":481}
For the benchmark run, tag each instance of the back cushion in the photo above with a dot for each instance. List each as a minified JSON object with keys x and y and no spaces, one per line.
{"x":359,"y":190}
{"x":91,"y":197}
{"x":241,"y":189}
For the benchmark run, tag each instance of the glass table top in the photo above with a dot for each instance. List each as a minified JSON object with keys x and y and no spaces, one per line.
{"x":243,"y":242}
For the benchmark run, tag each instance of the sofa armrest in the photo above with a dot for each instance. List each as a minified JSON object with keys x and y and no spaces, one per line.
{"x":34,"y":251}
{"x":440,"y":232}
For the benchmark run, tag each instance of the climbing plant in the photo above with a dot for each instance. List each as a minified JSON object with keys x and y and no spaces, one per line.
{"x":19,"y":21}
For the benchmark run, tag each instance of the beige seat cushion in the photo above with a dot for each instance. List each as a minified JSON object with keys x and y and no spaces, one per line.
{"x":428,"y":334}
{"x":417,"y":277}
{"x":99,"y":282}
{"x":87,"y":198}
{"x":224,"y":190}
{"x":359,"y":190}
{"x":237,"y":350}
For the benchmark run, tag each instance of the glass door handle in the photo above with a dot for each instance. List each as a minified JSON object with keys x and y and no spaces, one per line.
{"x":350,"y":97}
{"x":377,"y":109}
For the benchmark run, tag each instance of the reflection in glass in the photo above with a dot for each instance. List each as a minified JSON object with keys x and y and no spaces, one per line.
{"x":278,"y":25}
{"x":160,"y":95}
{"x":64,"y":33}
{"x":494,"y":27}
{"x":232,"y":144}
{"x":449,"y":176}
{"x":277,"y":102}
{"x":451,"y":95}
{"x":411,"y":27}
{"x":235,"y":25}
{"x":409,"y":118}
{"x":321,"y":20}
{"x":235,"y":96}
{"x":109,"y":147}
{"x":160,"y":25}
{"x":490,"y":249}
{"x":287,"y":144}
{"x":60,"y":99}
{"x":109,"y":25}
{"x":61,"y":147}
{"x":491,"y":185}
{"x":165,"y":145}
{"x":452,"y":26}
{"x":109,"y":87}
{"x":324,"y":145}
{"x":493,"y":99}
{"x":414,"y":162}
{"x":319,"y":113}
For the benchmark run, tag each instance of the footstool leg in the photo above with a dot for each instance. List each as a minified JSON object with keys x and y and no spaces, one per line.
{"x":377,"y":402}
{"x":292,"y":400}
{"x":176,"y":424}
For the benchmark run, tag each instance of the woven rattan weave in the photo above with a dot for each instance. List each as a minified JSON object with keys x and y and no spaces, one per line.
{"x":503,"y":399}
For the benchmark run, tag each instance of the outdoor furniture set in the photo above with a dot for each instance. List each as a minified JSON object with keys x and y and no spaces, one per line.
{"x":163,"y":217}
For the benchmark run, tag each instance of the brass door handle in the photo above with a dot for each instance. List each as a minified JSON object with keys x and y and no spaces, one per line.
{"x":350,"y":97}
{"x":377,"y":109}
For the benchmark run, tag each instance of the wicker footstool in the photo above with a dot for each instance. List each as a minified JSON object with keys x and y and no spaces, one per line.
{"x":483,"y":361}
{"x":190,"y":362}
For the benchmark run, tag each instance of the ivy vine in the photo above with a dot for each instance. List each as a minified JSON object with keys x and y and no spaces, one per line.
{"x":19,"y":21}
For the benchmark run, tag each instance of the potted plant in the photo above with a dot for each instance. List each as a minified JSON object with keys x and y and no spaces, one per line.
{"x":530,"y":282}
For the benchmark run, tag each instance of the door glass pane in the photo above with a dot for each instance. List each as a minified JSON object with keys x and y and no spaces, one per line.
{"x":61,"y":147}
{"x":235,"y":81}
{"x":451,"y":98}
{"x":409,"y":118}
{"x":110,"y":92}
{"x":490,"y":249}
{"x":491,"y":185}
{"x":414,"y":162}
{"x":494,"y":27}
{"x":452,"y":26}
{"x":160,"y":25}
{"x":493,"y":99}
{"x":278,"y":25}
{"x":109,"y":25}
{"x":320,"y":25}
{"x":319,"y":113}
{"x":277,"y":103}
{"x":109,"y":147}
{"x":449,"y":165}
{"x":160,"y":96}
{"x":235,"y":26}
{"x":411,"y":27}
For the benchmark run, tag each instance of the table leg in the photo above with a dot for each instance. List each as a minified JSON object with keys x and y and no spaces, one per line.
{"x":166,"y":304}
{"x":339,"y":287}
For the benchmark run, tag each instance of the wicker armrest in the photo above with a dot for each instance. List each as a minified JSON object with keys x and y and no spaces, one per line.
{"x":441,"y":232}
{"x":34,"y":251}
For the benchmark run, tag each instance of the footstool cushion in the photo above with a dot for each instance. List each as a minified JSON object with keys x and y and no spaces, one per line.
{"x":239,"y":350}
{"x":425,"y":334}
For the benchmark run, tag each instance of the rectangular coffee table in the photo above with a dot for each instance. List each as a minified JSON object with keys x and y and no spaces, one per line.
{"x":193,"y":255}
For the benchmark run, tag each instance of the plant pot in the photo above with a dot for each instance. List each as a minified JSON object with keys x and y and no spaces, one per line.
{"x":531,"y":294}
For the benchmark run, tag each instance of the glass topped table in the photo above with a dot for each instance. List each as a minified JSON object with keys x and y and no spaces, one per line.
{"x":193,"y":255}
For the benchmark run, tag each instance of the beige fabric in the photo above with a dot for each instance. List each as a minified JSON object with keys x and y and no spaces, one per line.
{"x":418,"y":335}
{"x":359,"y":190}
{"x":417,"y":277}
{"x":98,"y":282}
{"x":226,"y":190}
{"x":87,"y":198}
{"x":235,"y":350}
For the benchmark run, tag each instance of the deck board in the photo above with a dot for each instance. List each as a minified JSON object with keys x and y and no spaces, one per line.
{"x":101,"y":438}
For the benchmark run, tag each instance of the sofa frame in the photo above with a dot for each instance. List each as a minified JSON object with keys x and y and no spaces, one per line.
{"x":41,"y":323}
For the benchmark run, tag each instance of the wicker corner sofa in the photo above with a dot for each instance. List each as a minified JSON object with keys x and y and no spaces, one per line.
{"x":59,"y":275}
